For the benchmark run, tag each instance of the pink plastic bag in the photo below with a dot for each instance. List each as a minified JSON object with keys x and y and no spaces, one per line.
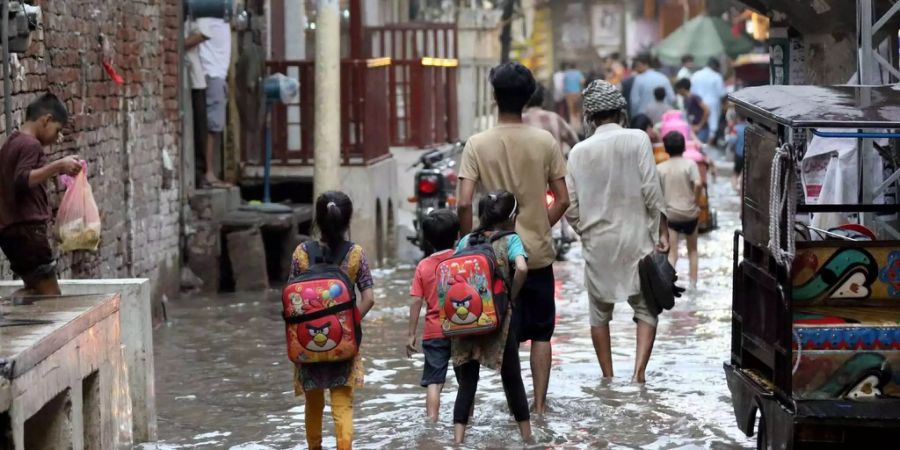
{"x":78,"y":219}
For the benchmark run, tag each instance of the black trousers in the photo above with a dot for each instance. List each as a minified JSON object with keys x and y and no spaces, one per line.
{"x":467,"y":376}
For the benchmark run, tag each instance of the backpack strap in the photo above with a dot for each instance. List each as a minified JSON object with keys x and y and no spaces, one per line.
{"x":480,"y":237}
{"x":476,"y":238}
{"x":314,"y":252}
{"x":318,"y":314}
{"x":500,"y":235}
{"x":325,"y":255}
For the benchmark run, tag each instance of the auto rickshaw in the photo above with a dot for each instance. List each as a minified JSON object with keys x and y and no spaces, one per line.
{"x":815,"y":353}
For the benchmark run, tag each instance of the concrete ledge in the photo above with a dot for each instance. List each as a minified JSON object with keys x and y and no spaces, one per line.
{"x":135,"y":320}
{"x":68,"y":384}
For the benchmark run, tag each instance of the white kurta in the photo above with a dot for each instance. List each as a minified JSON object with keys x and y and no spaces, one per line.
{"x":616,"y":206}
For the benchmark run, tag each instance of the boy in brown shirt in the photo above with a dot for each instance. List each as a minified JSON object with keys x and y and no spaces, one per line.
{"x":25,"y":211}
{"x":526,"y":161}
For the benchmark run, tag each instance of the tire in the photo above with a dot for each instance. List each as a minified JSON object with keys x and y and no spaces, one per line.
{"x":762,"y":434}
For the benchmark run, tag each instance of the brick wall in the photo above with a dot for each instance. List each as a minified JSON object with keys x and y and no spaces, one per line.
{"x":122,"y":131}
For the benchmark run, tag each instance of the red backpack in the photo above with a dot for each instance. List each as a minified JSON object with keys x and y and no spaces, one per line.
{"x":472,"y":292}
{"x":322,"y":320}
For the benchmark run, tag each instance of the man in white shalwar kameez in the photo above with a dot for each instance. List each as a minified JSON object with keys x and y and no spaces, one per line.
{"x":617,"y":207}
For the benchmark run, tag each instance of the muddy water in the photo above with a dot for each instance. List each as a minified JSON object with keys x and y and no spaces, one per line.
{"x":223,"y":379}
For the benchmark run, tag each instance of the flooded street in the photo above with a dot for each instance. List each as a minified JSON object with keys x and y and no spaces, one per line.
{"x":224,"y":380}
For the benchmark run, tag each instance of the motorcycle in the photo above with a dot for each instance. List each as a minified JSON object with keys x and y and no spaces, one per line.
{"x":562,"y":233}
{"x":435,"y":187}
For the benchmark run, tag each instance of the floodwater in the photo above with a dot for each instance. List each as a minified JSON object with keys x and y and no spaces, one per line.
{"x":223,"y":379}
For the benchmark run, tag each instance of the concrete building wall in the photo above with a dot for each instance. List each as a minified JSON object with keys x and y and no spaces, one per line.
{"x":374,"y":191}
{"x":127,"y":134}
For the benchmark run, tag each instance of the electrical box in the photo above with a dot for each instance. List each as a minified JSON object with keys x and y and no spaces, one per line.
{"x":23,"y":19}
{"x":219,"y":9}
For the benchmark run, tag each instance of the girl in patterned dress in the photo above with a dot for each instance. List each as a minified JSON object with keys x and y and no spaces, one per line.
{"x":333,"y":213}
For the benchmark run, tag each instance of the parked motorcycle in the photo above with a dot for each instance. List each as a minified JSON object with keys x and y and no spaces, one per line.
{"x":435,"y":187}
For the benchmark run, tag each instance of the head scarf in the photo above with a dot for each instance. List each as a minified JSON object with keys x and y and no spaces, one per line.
{"x":602,"y":96}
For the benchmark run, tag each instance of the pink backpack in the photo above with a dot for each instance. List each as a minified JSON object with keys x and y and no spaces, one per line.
{"x":674,"y":121}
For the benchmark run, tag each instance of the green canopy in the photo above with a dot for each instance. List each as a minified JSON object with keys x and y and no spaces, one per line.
{"x":702,"y":37}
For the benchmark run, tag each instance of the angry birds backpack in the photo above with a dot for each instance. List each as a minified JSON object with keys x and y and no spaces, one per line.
{"x":472,"y":290}
{"x":321,"y":318}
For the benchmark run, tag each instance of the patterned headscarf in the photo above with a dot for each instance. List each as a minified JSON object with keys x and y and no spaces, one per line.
{"x":602,"y":96}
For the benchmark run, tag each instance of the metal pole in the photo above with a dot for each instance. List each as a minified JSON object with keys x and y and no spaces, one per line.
{"x":356,"y":29}
{"x":327,"y":97}
{"x":267,"y":171}
{"x":7,"y":89}
{"x":868,"y":73}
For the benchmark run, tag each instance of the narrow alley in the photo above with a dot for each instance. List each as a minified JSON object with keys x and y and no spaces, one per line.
{"x":227,"y":381}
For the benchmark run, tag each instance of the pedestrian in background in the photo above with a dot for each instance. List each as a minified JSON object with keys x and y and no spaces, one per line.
{"x":197,"y":81}
{"x":696,"y":111}
{"x":441,"y":230}
{"x":573,"y":82}
{"x":710,"y":86}
{"x":681,"y":185}
{"x":215,"y":58}
{"x":526,"y":161}
{"x":643,"y":123}
{"x":334,"y":210}
{"x":655,"y":110}
{"x":740,"y":128}
{"x":615,"y":69}
{"x":536,"y":116}
{"x":25,"y":211}
{"x":559,"y":95}
{"x":618,"y":209}
{"x":687,"y":67}
{"x":647,"y":80}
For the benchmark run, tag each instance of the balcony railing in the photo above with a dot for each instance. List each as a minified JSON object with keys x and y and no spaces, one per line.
{"x":365,"y":114}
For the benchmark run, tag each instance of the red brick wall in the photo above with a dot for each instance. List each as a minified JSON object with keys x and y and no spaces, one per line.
{"x":122,"y":131}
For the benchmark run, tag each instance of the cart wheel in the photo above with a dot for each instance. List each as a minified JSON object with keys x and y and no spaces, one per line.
{"x":762,"y":434}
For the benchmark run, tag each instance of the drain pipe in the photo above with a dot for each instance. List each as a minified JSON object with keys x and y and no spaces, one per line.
{"x":6,"y":100}
{"x":7,"y":89}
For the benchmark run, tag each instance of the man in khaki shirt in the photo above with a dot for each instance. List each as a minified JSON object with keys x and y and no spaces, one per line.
{"x":523,"y":160}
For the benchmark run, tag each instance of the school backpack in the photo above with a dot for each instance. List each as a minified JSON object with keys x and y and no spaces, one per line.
{"x":473,"y":296}
{"x":321,"y":318}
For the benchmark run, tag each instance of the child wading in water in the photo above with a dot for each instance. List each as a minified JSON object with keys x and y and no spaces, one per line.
{"x":500,"y":349}
{"x":681,"y":183}
{"x":333,"y":213}
{"x":441,"y":230}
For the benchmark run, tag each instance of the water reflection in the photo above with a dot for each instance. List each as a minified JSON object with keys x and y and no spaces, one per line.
{"x":223,"y":378}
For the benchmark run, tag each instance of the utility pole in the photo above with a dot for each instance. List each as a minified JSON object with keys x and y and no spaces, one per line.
{"x":506,"y":35}
{"x":327,"y":134}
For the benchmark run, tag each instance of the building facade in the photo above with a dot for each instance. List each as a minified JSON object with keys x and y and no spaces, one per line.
{"x":129,"y":133}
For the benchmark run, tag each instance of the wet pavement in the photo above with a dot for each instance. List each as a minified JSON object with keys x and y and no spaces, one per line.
{"x":224,"y":381}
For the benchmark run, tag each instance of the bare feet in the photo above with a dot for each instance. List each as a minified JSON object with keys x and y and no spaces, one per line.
{"x":459,"y":433}
{"x":525,"y":430}
{"x":212,"y":181}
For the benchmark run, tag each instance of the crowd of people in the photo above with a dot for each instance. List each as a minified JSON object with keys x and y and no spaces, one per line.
{"x":699,"y":93}
{"x":624,"y":199}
